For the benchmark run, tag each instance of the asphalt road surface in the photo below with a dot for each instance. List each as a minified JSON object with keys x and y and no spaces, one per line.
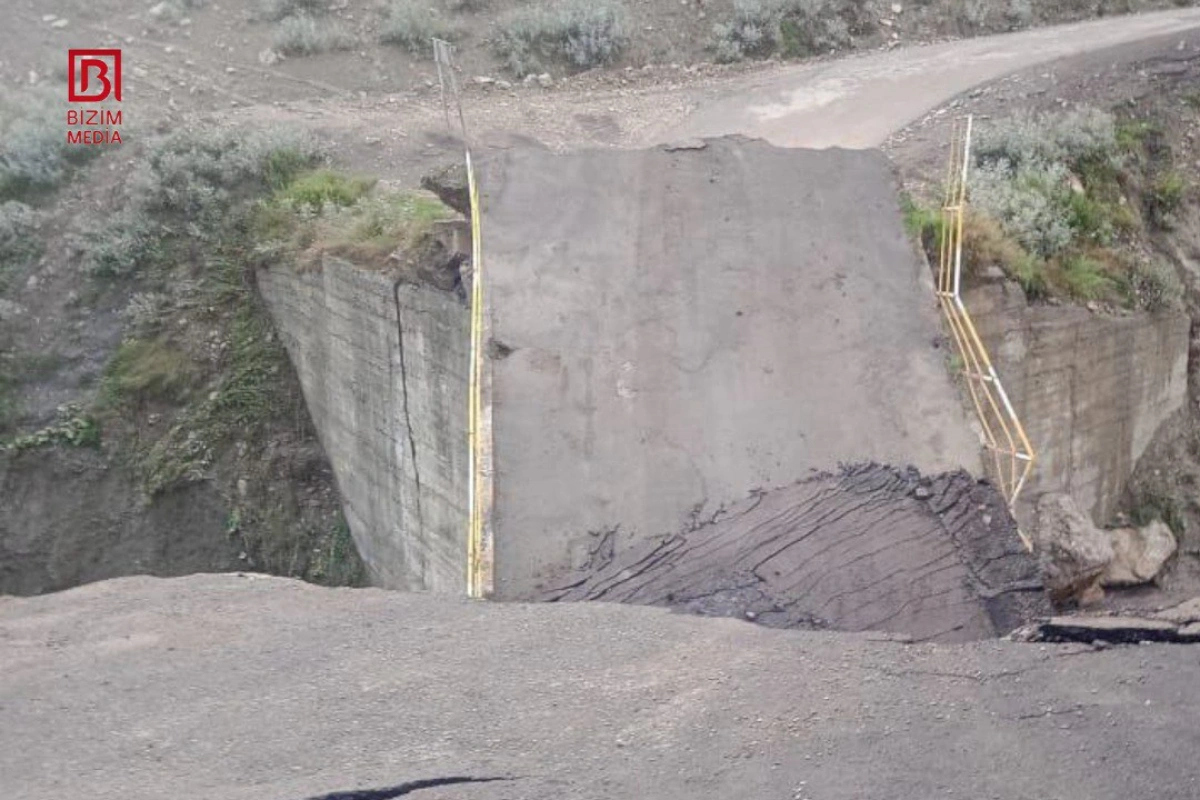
{"x":236,"y":688}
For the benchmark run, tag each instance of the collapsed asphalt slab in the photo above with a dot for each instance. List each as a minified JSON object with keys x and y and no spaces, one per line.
{"x":869,"y":547}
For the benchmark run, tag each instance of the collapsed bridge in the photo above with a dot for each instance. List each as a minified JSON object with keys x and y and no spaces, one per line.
{"x":671,"y":332}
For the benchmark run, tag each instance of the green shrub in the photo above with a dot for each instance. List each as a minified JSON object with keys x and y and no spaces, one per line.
{"x":1164,"y":198}
{"x":19,"y":243}
{"x":275,"y":10}
{"x":926,"y":225}
{"x":752,"y":31}
{"x":412,"y":24}
{"x":1030,"y":272}
{"x":1019,"y":13}
{"x":1038,"y":140}
{"x":323,"y":211}
{"x":144,"y":313}
{"x":1086,"y":278}
{"x":1032,"y":202}
{"x":1132,"y":134}
{"x":1155,"y":286}
{"x":320,"y":187}
{"x":245,"y":398}
{"x":583,"y":33}
{"x":72,"y":427}
{"x":1090,"y":220}
{"x":34,"y":154}
{"x":793,"y":28}
{"x":10,"y":402}
{"x":185,"y":188}
{"x":144,"y":370}
{"x":305,"y":35}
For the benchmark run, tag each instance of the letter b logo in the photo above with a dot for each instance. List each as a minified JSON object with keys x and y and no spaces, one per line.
{"x":93,"y":75}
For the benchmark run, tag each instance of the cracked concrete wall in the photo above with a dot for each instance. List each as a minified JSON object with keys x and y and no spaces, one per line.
{"x":1091,"y":389}
{"x":690,"y":324}
{"x":383,"y":368}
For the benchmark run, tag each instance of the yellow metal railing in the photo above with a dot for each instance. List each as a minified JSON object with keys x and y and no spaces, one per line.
{"x":1012,"y":456}
{"x":479,"y":539}
{"x":480,"y":491}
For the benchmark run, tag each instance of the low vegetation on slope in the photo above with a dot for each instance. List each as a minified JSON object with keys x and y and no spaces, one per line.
{"x":1065,"y":203}
{"x":323,"y":211}
{"x":529,"y":38}
{"x":199,"y":387}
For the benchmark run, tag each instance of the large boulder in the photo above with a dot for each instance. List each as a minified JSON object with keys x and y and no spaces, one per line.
{"x":1139,"y":554}
{"x":1072,"y":552}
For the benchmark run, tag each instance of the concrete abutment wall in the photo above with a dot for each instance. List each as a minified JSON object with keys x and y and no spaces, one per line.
{"x":1091,"y":388}
{"x":383,"y":365}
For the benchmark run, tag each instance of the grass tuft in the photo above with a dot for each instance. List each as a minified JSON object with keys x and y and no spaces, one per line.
{"x":321,"y":187}
{"x":144,"y":371}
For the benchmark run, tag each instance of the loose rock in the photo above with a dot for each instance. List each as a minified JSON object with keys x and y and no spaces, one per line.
{"x":1072,"y":552}
{"x":1139,"y":554}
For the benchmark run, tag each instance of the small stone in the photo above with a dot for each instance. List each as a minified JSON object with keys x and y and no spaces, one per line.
{"x":545,"y":81}
{"x":158,"y":11}
{"x":230,"y":70}
{"x":504,"y":84}
{"x":48,"y":18}
{"x":484,"y":80}
{"x":268,"y":57}
{"x":373,"y":140}
{"x":59,"y":23}
{"x":243,"y":487}
{"x":897,"y":8}
{"x":750,"y":615}
{"x":922,"y":493}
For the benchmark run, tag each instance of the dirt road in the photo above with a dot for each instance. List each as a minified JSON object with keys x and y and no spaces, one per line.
{"x":859,"y":101}
{"x":228,"y":688}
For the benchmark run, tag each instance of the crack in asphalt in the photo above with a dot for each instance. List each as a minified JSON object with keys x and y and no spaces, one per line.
{"x":402,"y":789}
